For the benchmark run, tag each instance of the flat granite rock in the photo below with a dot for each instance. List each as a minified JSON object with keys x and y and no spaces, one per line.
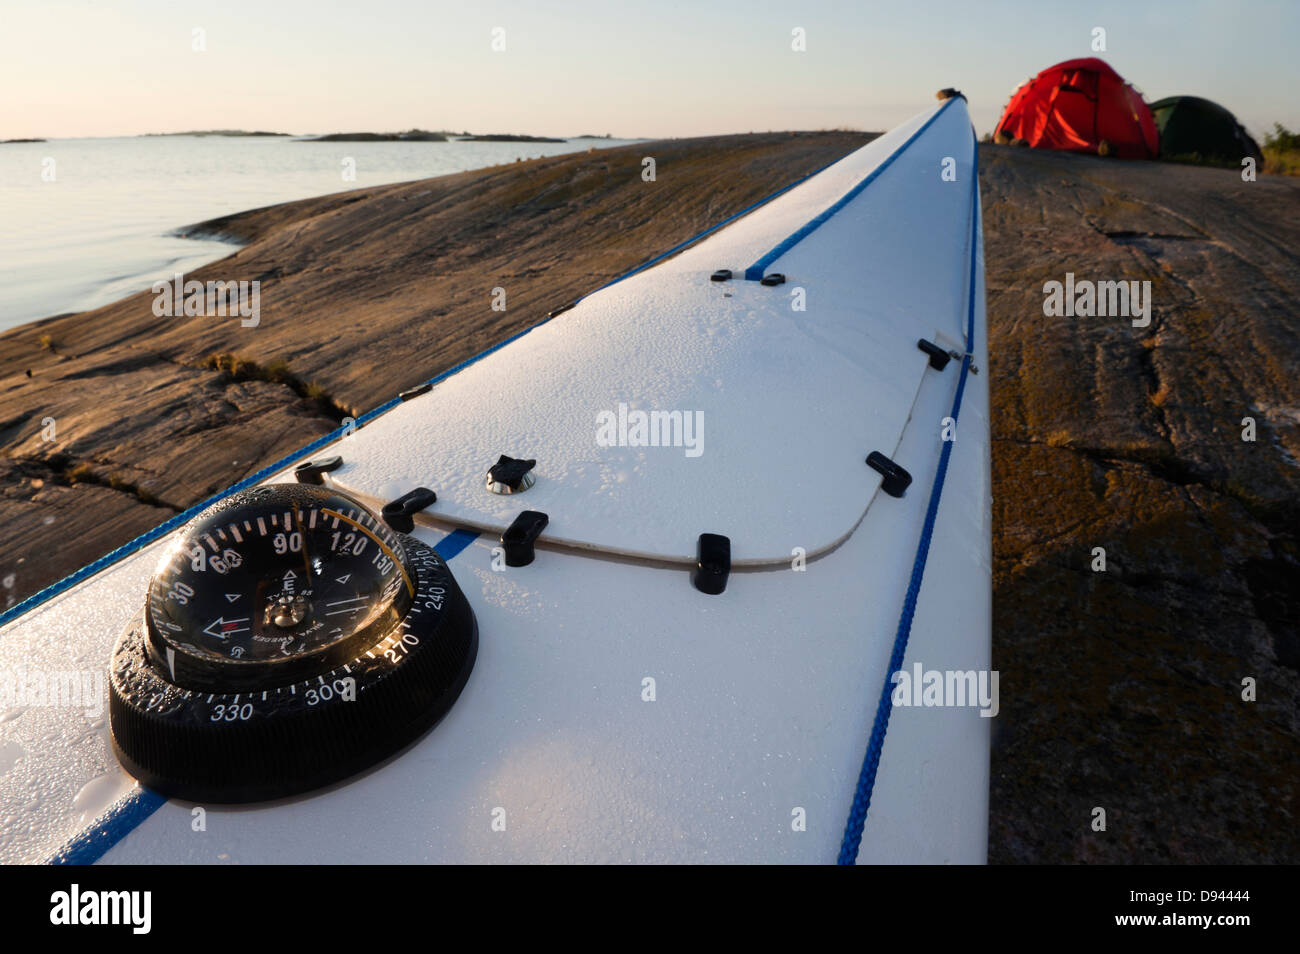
{"x":1123,"y":689}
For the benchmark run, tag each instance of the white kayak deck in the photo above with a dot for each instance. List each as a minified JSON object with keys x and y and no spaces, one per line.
{"x":694,"y":362}
{"x":764,"y":695}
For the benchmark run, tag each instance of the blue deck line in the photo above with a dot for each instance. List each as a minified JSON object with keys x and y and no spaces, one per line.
{"x":450,"y":546}
{"x":857,"y":819}
{"x":126,"y":816}
{"x":110,"y":828}
{"x":755,"y":272}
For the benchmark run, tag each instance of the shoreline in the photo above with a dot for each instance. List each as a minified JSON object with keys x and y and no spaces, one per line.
{"x":84,"y":244}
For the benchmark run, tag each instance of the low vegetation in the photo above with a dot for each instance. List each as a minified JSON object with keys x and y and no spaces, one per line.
{"x":240,"y":368}
{"x":234,"y":367}
{"x":1282,"y":151}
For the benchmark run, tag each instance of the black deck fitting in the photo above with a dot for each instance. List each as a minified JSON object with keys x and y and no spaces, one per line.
{"x":399,"y":513}
{"x":309,"y":472}
{"x":712,"y":563}
{"x":510,"y":471}
{"x":895,"y":480}
{"x":520,"y":535}
{"x":416,"y":391}
{"x":776,"y":278}
{"x":939,"y":358}
{"x":721,"y":275}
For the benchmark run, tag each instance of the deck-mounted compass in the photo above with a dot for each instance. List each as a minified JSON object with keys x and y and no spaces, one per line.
{"x":289,"y":639}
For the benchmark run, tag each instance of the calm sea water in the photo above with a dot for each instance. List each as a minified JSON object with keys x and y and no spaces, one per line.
{"x":101,"y":229}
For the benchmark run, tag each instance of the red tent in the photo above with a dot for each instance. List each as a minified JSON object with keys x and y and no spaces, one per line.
{"x":1076,"y":106}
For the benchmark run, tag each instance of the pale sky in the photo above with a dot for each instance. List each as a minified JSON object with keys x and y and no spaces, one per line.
{"x":80,"y":68}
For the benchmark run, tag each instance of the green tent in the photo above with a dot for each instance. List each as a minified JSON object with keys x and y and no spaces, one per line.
{"x":1194,"y":127}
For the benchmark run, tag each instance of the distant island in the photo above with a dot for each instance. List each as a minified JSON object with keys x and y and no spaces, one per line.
{"x":411,"y":135}
{"x":219,"y":132}
{"x":504,"y":137}
{"x":423,"y":135}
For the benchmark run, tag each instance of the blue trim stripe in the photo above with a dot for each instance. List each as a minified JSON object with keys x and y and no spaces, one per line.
{"x":713,"y":228}
{"x":450,"y":546}
{"x":110,"y":828}
{"x":871,"y":761}
{"x":755,"y":272}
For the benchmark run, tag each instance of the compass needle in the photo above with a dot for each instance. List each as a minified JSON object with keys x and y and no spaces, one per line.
{"x":306,"y":545}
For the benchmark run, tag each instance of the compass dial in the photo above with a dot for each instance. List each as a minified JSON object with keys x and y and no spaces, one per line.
{"x":288,"y":581}
{"x":289,"y":638}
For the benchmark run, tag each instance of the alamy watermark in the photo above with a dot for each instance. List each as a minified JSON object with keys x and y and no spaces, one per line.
{"x":1089,"y":299}
{"x":132,"y":909}
{"x":179,"y":297}
{"x":28,"y":686}
{"x":948,"y":688}
{"x":635,"y":428}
